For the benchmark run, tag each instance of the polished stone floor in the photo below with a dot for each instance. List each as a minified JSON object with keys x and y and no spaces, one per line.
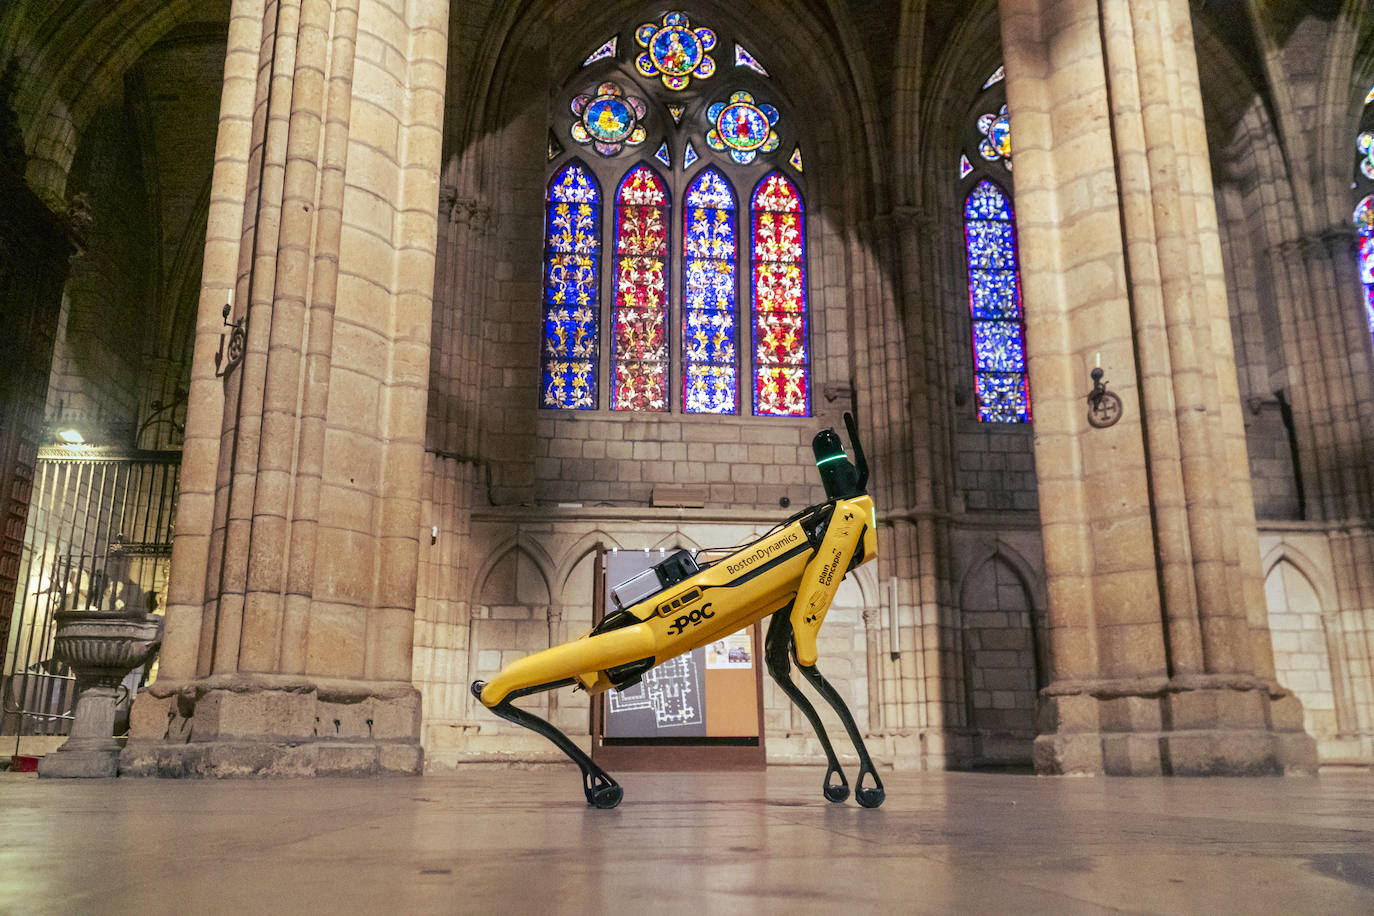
{"x":487,"y":839}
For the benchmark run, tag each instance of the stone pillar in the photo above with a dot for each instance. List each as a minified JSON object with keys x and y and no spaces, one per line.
{"x":1148,"y":525}
{"x":291,"y":609}
{"x":914,"y":710}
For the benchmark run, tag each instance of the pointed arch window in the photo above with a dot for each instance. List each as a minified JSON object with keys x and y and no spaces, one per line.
{"x":778,"y":259}
{"x":996,"y":323}
{"x":1364,"y":210}
{"x":686,"y":160}
{"x":639,"y":339}
{"x":994,"y":288}
{"x":572,"y":287}
{"x":710,"y":247}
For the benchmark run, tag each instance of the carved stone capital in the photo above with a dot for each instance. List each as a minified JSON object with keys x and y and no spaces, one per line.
{"x":469,"y":212}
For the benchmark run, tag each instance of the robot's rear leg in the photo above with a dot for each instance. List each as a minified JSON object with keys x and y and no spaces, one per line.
{"x":777,"y":649}
{"x":872,"y":796}
{"x":601,"y":790}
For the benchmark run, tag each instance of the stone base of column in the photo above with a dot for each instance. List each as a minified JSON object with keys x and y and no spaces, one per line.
{"x":1187,"y":726}
{"x":272,"y":725}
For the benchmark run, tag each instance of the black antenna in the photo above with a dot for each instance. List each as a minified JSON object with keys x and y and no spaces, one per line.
{"x":860,"y":462}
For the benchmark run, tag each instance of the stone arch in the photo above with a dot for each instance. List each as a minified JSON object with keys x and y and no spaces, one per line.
{"x":575,"y":555}
{"x":515,"y":549}
{"x":1002,"y":653}
{"x":511,"y":608}
{"x":1306,"y":636}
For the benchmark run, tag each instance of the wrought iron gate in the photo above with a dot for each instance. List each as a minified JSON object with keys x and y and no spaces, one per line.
{"x":99,"y":537}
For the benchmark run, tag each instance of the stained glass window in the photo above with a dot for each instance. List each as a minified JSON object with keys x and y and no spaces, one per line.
{"x":1364,"y":210}
{"x":744,"y":59}
{"x":999,"y":353}
{"x":742,"y":127}
{"x":996,"y":143}
{"x":609,"y":120}
{"x":639,"y":338}
{"x":1364,"y":230}
{"x":674,"y":51}
{"x":709,"y":251}
{"x":622,"y":191}
{"x":606,"y":50}
{"x":778,"y":260}
{"x":571,"y":289}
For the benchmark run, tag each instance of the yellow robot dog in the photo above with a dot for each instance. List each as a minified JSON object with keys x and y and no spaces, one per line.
{"x":679,"y":605}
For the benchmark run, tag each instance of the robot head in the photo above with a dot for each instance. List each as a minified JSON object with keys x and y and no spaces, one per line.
{"x":840,"y":478}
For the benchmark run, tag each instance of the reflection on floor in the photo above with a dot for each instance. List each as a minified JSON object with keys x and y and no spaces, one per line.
{"x":494,"y":840}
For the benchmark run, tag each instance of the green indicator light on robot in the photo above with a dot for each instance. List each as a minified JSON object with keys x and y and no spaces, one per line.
{"x":827,"y":460}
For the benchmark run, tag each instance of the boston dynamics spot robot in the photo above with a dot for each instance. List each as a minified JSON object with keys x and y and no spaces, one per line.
{"x":681,"y":604}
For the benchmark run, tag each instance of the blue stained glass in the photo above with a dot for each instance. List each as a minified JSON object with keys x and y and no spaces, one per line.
{"x":574,"y":185}
{"x":689,"y":155}
{"x":993,"y":294}
{"x":710,"y":389}
{"x":1002,"y":398}
{"x":998,"y":346}
{"x":710,"y":190}
{"x":710,"y":329}
{"x":999,"y":352}
{"x":986,"y":201}
{"x":711,"y":339}
{"x":991,"y":244}
{"x":571,"y":289}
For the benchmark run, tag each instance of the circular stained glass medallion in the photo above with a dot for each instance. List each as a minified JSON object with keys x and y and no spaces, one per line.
{"x":609,"y":119}
{"x":996,"y":142}
{"x":674,"y":51}
{"x":742,"y":126}
{"x":1364,"y":217}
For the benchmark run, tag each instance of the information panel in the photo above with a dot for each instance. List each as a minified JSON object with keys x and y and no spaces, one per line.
{"x":709,"y":693}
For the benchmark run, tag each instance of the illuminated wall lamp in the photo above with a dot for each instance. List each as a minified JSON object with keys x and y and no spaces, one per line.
{"x":71,"y":436}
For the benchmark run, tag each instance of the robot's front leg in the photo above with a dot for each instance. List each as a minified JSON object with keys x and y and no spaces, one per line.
{"x":777,"y":651}
{"x":872,"y":796}
{"x":601,"y":790}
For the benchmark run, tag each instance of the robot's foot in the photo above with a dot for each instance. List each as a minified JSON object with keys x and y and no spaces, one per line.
{"x":836,"y":792}
{"x":605,"y":796}
{"x":871,"y":797}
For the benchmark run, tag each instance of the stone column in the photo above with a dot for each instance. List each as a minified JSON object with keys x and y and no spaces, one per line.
{"x":914,"y":710}
{"x":1149,"y":532}
{"x":291,"y":607}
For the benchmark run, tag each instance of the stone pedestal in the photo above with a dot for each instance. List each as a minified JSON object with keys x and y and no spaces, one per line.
{"x":1196,"y":726}
{"x":274,"y":725}
{"x":102,"y":648}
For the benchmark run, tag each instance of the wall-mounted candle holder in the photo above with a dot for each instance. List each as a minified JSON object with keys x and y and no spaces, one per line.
{"x":1104,"y":407}
{"x":225,"y":361}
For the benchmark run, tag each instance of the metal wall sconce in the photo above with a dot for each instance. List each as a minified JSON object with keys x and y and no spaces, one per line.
{"x":238,"y":336}
{"x":1104,"y":407}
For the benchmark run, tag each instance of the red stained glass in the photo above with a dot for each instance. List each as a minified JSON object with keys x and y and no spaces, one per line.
{"x":781,"y":371}
{"x":639,"y":345}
